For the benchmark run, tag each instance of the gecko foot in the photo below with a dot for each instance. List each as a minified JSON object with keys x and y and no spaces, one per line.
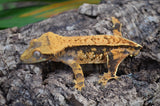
{"x":106,"y":77}
{"x":79,"y":85}
{"x":103,"y":81}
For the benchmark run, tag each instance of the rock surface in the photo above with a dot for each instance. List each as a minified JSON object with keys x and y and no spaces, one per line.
{"x":139,"y":83}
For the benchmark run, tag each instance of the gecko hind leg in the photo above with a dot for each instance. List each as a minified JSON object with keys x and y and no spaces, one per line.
{"x":116,"y":27}
{"x":114,"y":58}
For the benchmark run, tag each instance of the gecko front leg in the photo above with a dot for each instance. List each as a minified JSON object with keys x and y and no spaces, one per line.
{"x":77,"y":70}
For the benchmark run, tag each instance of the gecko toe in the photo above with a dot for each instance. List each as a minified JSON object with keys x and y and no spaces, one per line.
{"x":79,"y":85}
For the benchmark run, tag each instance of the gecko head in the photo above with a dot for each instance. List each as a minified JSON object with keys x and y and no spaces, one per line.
{"x":32,"y":56}
{"x":38,"y":51}
{"x":33,"y":53}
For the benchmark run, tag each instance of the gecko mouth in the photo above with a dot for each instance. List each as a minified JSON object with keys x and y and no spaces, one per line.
{"x":33,"y":61}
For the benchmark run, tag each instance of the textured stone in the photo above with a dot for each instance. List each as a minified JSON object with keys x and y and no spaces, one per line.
{"x":88,"y":9}
{"x":51,"y":83}
{"x":2,"y":99}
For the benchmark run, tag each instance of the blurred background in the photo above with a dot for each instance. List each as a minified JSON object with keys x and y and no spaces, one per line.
{"x":22,"y":12}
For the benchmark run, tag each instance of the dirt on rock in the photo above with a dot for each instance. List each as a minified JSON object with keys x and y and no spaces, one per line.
{"x":51,"y":84}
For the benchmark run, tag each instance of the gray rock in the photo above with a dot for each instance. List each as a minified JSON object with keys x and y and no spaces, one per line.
{"x":38,"y":84}
{"x":2,"y":99}
{"x":89,"y":9}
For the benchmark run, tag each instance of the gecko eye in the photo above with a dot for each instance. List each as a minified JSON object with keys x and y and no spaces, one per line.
{"x":36,"y":54}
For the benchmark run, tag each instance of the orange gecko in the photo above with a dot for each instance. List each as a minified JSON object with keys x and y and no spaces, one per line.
{"x":76,"y":50}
